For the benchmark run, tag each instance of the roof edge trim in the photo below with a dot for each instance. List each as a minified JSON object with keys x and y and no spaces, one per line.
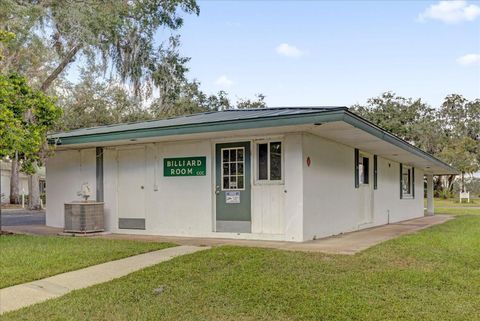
{"x":229,"y":125}
{"x":381,"y":133}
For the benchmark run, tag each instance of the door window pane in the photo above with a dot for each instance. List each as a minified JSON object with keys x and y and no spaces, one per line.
{"x":225,"y":183}
{"x":240,"y":169}
{"x":225,"y":169}
{"x":276,"y":161}
{"x":262,"y":161}
{"x":232,"y":168}
{"x":240,"y":182}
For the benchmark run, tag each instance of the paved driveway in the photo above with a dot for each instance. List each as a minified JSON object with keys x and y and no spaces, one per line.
{"x":22,"y":217}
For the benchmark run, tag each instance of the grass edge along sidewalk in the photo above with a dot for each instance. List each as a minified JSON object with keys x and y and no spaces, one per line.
{"x":25,"y":258}
{"x":429,"y":275}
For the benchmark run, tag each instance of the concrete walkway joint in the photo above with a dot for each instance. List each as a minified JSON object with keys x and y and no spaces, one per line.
{"x":22,"y":295}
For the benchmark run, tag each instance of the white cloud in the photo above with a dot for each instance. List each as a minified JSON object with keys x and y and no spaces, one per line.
{"x":287,"y":50}
{"x":470,"y":59}
{"x":451,"y":12}
{"x":223,"y":82}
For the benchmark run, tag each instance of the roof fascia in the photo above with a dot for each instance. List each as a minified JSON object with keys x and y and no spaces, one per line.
{"x":376,"y":131}
{"x":283,"y":120}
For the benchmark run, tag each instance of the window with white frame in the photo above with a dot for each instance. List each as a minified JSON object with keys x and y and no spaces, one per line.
{"x":407,"y":181}
{"x":233,"y":163}
{"x":269,"y":161}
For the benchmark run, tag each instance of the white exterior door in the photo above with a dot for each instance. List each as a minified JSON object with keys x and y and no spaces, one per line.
{"x":131,"y":188}
{"x":366,"y":190}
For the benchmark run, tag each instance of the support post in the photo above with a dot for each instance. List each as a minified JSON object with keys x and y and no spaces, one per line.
{"x":430,"y":205}
{"x":99,"y":173}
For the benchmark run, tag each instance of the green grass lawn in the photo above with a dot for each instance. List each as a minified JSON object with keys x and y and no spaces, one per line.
{"x":440,"y":202}
{"x":430,"y":275}
{"x":457,"y":211}
{"x":26,"y":258}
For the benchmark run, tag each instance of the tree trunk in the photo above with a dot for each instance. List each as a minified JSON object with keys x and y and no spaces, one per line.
{"x":15,"y":181}
{"x":34,"y":192}
{"x":451,"y":179}
{"x":34,"y":180}
{"x":463,"y":182}
{"x":64,"y":63}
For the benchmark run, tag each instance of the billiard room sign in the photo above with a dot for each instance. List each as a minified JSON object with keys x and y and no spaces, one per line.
{"x":185,"y":166}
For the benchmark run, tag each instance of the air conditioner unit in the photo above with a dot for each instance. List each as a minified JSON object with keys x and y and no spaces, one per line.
{"x":84,"y":217}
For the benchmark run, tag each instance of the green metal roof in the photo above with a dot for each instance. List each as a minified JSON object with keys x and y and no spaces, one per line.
{"x":197,"y":119}
{"x":229,"y":120}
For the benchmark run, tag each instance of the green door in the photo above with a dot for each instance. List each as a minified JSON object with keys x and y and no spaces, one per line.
{"x":232,"y":188}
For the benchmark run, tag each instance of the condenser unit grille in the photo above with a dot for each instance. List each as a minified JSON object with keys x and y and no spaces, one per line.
{"x":84,"y":217}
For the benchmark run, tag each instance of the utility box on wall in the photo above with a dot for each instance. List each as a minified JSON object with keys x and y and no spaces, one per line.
{"x":84,"y":217}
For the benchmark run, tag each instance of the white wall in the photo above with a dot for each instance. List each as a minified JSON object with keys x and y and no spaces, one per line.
{"x":389,"y":208}
{"x":331,"y":201}
{"x":5,"y":183}
{"x":185,"y":205}
{"x":181,"y":205}
{"x":66,"y":172}
{"x":294,"y":188}
{"x":5,"y":186}
{"x":313,"y":201}
{"x":173,"y":205}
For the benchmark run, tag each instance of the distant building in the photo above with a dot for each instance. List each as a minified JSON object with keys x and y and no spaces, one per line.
{"x":6,"y":168}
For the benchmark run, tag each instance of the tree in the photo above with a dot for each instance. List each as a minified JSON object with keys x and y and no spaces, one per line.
{"x":259,"y":102}
{"x":411,"y":120}
{"x":27,"y":54}
{"x":119,"y":34}
{"x":450,"y":132}
{"x":94,"y":102}
{"x":26,"y":115}
{"x":461,"y":126}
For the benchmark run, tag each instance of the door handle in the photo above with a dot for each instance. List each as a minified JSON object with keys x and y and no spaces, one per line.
{"x":217,"y":190}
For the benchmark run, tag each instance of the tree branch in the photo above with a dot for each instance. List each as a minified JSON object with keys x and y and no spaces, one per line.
{"x":68,"y":58}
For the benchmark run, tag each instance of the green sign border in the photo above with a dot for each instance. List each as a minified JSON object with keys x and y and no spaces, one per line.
{"x":183,"y":166}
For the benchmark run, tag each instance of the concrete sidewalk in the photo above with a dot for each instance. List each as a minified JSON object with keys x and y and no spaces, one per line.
{"x":22,"y":295}
{"x":347,"y":243}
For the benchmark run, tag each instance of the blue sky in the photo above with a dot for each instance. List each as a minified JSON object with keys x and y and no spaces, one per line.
{"x":301,"y":53}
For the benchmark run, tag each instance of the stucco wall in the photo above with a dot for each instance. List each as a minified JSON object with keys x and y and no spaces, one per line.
{"x":66,"y":172}
{"x":388,"y":207}
{"x":178,"y":205}
{"x":332,"y":204}
{"x":312,"y":201}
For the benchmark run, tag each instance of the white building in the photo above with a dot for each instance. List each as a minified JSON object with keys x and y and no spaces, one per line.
{"x":291,"y":174}
{"x":5,"y":174}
